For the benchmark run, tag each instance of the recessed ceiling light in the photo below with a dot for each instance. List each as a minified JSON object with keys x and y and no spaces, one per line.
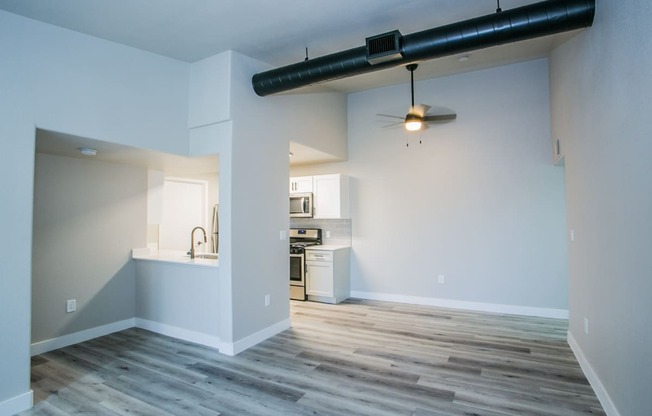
{"x":463,"y":58}
{"x":87,"y":151}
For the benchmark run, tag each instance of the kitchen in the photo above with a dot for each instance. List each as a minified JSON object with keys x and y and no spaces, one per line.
{"x":90,"y":211}
{"x":320,"y":257}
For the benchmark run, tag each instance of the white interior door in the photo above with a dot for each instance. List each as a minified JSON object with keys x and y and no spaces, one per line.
{"x":184,"y":208}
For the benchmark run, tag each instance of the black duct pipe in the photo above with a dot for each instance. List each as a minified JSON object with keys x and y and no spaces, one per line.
{"x":527,"y":22}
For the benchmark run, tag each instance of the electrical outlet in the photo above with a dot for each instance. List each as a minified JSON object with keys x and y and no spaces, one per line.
{"x":268,"y":300}
{"x":441,"y":279}
{"x":283,"y":235}
{"x":572,"y":234}
{"x":586,"y":326}
{"x":328,"y":234}
{"x":71,"y":305}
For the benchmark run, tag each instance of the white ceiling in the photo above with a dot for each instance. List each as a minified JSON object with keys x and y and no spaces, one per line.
{"x":277,"y":32}
{"x":68,"y":145}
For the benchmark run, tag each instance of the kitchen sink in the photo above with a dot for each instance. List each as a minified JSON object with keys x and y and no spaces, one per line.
{"x":211,"y":256}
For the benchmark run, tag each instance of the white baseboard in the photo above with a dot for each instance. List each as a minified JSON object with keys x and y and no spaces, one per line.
{"x":228,"y":348}
{"x":179,"y":333}
{"x":17,"y":404}
{"x":233,"y":348}
{"x":602,"y":394}
{"x":81,"y":336}
{"x":472,"y":306}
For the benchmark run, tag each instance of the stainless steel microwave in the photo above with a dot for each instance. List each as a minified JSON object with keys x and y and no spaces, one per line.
{"x":301,"y":205}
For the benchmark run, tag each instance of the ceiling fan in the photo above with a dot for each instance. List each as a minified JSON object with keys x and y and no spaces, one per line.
{"x":418,"y":118}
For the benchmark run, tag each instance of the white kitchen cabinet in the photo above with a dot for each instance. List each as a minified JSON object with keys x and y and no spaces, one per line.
{"x":301,"y":184}
{"x":331,"y":196}
{"x":327,"y":274}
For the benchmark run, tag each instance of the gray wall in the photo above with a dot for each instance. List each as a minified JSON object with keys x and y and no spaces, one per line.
{"x":478,"y":201}
{"x":88,"y":216}
{"x":62,"y":81}
{"x":600,"y":97}
{"x":181,"y":296}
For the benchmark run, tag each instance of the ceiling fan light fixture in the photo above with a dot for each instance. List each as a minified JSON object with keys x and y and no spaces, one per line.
{"x":412,"y":122}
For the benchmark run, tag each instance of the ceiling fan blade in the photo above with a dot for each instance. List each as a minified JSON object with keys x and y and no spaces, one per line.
{"x":392,"y":116}
{"x":440,"y":117}
{"x":389,"y":126}
{"x":420,"y":109}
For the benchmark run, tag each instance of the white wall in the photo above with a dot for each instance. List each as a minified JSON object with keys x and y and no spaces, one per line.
{"x":600,"y":92}
{"x":66,"y":82}
{"x":322,"y":128}
{"x":210,"y":91}
{"x":88,"y":215}
{"x":164,"y":292}
{"x":478,"y":201}
{"x":255,"y":205}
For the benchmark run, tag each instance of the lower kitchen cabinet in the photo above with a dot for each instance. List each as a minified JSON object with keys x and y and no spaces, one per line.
{"x":327,"y":274}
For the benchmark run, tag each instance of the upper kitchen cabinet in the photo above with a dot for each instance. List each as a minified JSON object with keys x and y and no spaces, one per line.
{"x":331,"y":196}
{"x":301,"y":184}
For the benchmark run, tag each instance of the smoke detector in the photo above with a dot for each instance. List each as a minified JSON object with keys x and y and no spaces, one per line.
{"x":87,"y":151}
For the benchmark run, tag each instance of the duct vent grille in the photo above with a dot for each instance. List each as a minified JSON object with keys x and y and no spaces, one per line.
{"x":385,"y":47}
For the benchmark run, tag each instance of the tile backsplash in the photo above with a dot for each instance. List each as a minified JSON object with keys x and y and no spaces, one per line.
{"x":340,"y":230}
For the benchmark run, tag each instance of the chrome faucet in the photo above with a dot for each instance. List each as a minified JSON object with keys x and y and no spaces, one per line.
{"x":192,"y":240}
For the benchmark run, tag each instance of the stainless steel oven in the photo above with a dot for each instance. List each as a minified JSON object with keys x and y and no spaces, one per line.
{"x":300,"y":238}
{"x":297,"y":277}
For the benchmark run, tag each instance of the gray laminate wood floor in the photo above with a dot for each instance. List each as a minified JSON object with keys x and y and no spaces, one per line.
{"x":356,"y":358}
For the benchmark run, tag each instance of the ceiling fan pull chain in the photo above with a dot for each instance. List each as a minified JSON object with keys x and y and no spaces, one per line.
{"x":306,"y":54}
{"x":498,"y":9}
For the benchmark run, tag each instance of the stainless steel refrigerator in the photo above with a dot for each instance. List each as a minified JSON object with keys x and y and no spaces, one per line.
{"x":215,"y":230}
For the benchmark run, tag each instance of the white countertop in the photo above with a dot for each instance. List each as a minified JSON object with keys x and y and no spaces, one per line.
{"x":328,"y":247}
{"x":171,"y":256}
